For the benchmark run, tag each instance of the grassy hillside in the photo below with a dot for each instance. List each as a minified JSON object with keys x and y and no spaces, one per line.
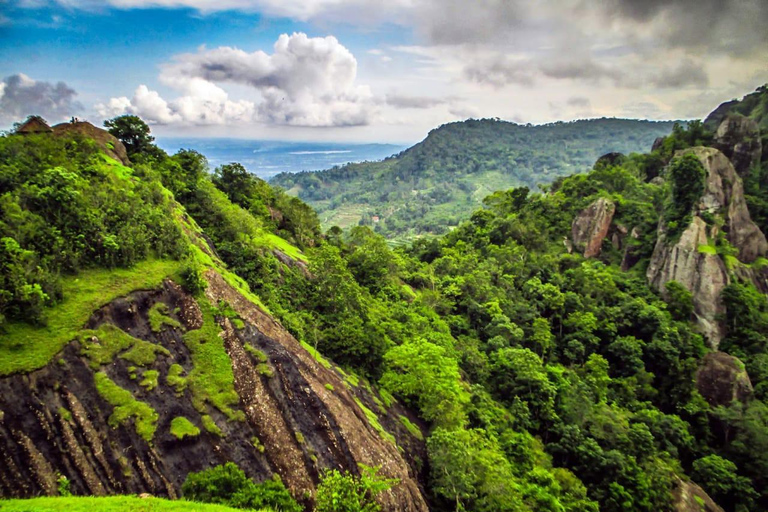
{"x":110,"y":504}
{"x":440,"y":181}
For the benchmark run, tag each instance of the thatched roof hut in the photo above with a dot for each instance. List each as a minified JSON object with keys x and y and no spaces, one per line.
{"x":34,"y":124}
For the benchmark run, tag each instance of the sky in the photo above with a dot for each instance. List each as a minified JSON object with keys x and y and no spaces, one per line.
{"x":372,"y":70}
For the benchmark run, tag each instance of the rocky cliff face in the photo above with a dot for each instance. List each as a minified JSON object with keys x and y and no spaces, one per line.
{"x":103,"y":413}
{"x":689,"y":497}
{"x":591,"y":227}
{"x":722,"y":378}
{"x":692,"y":260}
{"x":108,"y":143}
{"x":738,"y":137}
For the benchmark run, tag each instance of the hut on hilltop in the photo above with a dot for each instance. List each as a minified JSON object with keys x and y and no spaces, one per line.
{"x":33,"y":124}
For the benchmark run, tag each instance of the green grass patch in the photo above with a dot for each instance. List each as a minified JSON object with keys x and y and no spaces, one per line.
{"x":65,"y":414}
{"x":181,"y":427}
{"x":109,"y":504}
{"x":210,"y":426}
{"x":329,"y":387}
{"x":211,"y":379}
{"x":707,"y":249}
{"x":126,"y":407}
{"x":24,"y":348}
{"x":275,"y":242}
{"x":175,"y":379}
{"x":256,"y":353}
{"x":265,"y":370}
{"x":149,"y":380}
{"x":374,"y":421}
{"x":158,"y":317}
{"x":411,"y":427}
{"x":102,"y":345}
{"x":314,"y":353}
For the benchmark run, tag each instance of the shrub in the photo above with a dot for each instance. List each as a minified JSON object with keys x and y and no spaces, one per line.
{"x":344,"y":492}
{"x":228,"y":485}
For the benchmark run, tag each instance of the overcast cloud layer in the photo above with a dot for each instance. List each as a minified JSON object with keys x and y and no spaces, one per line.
{"x":521,"y":60}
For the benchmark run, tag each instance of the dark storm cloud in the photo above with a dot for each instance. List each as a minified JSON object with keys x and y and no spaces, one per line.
{"x":578,"y":101}
{"x":21,"y":96}
{"x":684,"y":74}
{"x":498,"y":71}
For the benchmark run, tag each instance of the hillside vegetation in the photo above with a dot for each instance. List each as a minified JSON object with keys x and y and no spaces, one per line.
{"x":438,"y":183}
{"x":558,"y":351}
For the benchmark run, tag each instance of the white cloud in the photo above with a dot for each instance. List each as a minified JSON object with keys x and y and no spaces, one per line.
{"x":304,"y":82}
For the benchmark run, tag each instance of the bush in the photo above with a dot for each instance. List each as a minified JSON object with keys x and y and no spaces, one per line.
{"x":344,"y":492}
{"x":228,"y":485}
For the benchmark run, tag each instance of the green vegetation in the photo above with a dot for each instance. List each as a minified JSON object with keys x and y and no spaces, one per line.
{"x":126,"y":407}
{"x":175,"y":379}
{"x":102,"y":345}
{"x":228,"y":485}
{"x":373,"y":420}
{"x":411,"y":427}
{"x":437,"y":183}
{"x":158,"y":317}
{"x":109,"y":504}
{"x":25,"y":347}
{"x":211,"y":380}
{"x":210,"y":426}
{"x":345,"y":492}
{"x":149,"y":379}
{"x":181,"y":427}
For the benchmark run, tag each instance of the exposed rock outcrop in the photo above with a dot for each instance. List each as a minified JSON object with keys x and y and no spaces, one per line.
{"x":591,"y":227}
{"x":722,"y":378}
{"x":110,"y":144}
{"x":293,"y":414}
{"x":724,"y":195}
{"x":689,"y":497}
{"x":738,"y":137}
{"x":609,"y":160}
{"x":702,"y":273}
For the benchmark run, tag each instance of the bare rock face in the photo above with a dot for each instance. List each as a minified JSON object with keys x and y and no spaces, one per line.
{"x":724,"y":195}
{"x":738,"y":137}
{"x":110,"y":144}
{"x":286,"y":412}
{"x":721,"y":379}
{"x":689,"y":497}
{"x":591,"y":227}
{"x":703,"y":274}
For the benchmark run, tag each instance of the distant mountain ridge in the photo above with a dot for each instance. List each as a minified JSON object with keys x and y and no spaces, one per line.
{"x":438,"y":182}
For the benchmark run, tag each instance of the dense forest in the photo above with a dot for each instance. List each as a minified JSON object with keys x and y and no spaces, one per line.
{"x":437,"y":183}
{"x":557,"y":356}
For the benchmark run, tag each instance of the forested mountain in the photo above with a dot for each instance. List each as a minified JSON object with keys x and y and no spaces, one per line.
{"x":437,"y":183}
{"x":602,"y":345}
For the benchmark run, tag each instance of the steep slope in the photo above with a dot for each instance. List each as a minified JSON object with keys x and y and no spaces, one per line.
{"x":440,"y":181}
{"x":136,"y":381}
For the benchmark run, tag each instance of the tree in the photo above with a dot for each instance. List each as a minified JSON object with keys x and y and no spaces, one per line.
{"x":132,"y":131}
{"x":720,"y":478}
{"x":344,"y":492}
{"x":679,"y":301}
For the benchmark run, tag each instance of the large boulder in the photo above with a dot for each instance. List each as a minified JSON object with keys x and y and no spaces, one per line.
{"x":689,"y":497}
{"x":722,"y":378}
{"x":724,"y":195}
{"x":738,"y":137}
{"x":108,"y":143}
{"x":702,"y":273}
{"x":591,"y":227}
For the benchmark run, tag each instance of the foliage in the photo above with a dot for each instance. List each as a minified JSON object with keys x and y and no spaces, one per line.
{"x":132,"y":131}
{"x":181,"y":427}
{"x":345,"y":492}
{"x":687,"y":177}
{"x":109,"y":504}
{"x":228,"y":485}
{"x":126,"y":407}
{"x":439,"y":182}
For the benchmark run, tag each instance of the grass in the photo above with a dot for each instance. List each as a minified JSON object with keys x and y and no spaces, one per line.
{"x":265,"y":370}
{"x":150,"y":379}
{"x":175,"y":380}
{"x":181,"y":427}
{"x":412,"y":428}
{"x":374,"y":421}
{"x":111,"y":340}
{"x":211,"y":426}
{"x":24,"y":348}
{"x":275,"y":242}
{"x":109,"y":504}
{"x":158,"y":317}
{"x":126,"y":407}
{"x":314,"y":353}
{"x":211,"y":379}
{"x":256,"y":353}
{"x":707,"y":249}
{"x":386,"y":397}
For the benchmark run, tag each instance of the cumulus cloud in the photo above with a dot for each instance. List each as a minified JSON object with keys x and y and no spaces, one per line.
{"x":21,"y":96}
{"x":304,"y":82}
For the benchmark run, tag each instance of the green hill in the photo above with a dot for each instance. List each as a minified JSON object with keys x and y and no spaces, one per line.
{"x":437,"y":183}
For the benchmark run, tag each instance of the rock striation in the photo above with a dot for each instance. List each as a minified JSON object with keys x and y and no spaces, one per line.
{"x":591,"y":226}
{"x":738,"y":138}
